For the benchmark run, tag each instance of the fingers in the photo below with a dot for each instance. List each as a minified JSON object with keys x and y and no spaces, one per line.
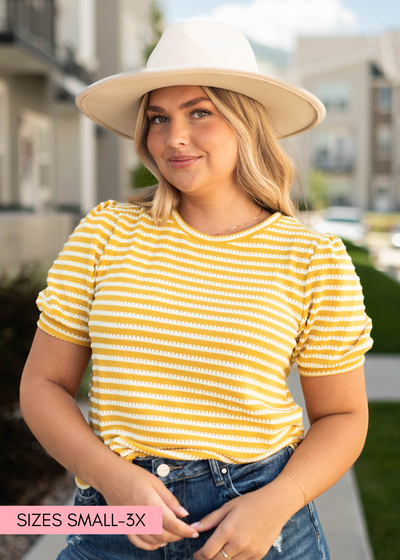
{"x":212,"y":519}
{"x":173,"y":530}
{"x":235,"y":546}
{"x":220,"y":537}
{"x":139,"y":542}
{"x":211,"y":550}
{"x":171,"y":501}
{"x":177,"y":533}
{"x":146,"y":489}
{"x":215,"y":550}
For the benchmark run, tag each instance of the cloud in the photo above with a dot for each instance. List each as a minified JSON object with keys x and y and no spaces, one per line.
{"x":277,"y":23}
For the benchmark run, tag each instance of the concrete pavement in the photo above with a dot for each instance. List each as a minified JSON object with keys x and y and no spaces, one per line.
{"x":339,"y":508}
{"x":382,"y":377}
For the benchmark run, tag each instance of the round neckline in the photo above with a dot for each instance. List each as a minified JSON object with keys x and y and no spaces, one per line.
{"x":186,"y":227}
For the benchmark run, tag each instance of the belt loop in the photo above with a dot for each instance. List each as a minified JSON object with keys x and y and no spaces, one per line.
{"x":216,"y":472}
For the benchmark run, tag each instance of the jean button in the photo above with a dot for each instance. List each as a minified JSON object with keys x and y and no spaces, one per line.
{"x":224,"y":470}
{"x":163,"y":470}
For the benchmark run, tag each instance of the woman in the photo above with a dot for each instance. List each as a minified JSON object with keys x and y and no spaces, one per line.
{"x":194,"y":300}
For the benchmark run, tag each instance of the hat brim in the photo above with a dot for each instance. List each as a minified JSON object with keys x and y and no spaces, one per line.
{"x":114,"y":102}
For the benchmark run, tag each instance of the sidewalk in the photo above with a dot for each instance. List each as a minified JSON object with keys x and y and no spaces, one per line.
{"x":382,"y":377}
{"x":340,"y":508}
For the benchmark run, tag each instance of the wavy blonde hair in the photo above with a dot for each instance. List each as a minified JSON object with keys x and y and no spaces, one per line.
{"x":263,"y":170}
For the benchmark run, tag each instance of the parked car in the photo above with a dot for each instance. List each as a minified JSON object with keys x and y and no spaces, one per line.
{"x":346,"y":222}
{"x":396,"y":237}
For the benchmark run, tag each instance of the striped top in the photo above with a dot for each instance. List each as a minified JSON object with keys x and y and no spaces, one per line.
{"x":193,"y":336}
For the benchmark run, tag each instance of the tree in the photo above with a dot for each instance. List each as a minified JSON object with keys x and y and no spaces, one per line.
{"x":141,"y":177}
{"x":318,"y":189}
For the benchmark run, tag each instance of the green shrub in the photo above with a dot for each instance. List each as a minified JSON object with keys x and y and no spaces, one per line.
{"x":141,"y":177}
{"x":357,"y":253}
{"x":382,"y":301}
{"x":18,"y":319}
{"x":26,"y":470}
{"x":377,"y":472}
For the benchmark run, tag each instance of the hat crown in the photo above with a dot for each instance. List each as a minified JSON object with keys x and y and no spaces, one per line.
{"x":203,"y":44}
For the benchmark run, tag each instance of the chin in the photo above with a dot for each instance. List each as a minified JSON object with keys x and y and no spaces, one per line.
{"x":184,"y":186}
{"x":187,"y":190}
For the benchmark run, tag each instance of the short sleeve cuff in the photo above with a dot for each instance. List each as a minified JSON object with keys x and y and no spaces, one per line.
{"x":320,"y":369}
{"x":59,"y":330}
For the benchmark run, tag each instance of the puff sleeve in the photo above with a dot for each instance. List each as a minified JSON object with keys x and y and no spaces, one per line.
{"x":66,"y":302}
{"x":335,"y":330}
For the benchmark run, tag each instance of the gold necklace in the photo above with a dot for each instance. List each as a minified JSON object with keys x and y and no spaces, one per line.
{"x":241,"y":225}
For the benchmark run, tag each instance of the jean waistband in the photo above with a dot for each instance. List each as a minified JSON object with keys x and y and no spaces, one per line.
{"x":171,"y":470}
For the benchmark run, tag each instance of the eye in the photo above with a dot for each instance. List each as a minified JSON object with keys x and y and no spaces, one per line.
{"x":158,"y":119}
{"x":201,"y":113}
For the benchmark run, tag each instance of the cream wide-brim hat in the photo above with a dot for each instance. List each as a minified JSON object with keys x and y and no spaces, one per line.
{"x":200,"y":54}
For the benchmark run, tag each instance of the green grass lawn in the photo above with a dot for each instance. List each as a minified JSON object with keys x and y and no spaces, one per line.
{"x":378,"y":476}
{"x":382,"y":301}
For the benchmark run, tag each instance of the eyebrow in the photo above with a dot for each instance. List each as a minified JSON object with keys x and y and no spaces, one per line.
{"x":185,"y":105}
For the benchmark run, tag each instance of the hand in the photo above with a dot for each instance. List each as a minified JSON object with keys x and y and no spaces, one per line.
{"x":132,"y":485}
{"x":247,"y":526}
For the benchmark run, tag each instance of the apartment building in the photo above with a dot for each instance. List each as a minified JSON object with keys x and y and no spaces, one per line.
{"x":358,"y":144}
{"x":55,"y":164}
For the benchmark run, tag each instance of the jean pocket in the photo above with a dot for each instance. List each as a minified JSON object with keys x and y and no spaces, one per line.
{"x":88,"y":497}
{"x":241,"y":479}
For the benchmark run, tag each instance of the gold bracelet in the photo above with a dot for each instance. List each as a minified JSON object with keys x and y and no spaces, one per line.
{"x":302,"y":489}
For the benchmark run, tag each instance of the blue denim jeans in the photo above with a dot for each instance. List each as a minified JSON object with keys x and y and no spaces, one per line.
{"x":202,"y":487}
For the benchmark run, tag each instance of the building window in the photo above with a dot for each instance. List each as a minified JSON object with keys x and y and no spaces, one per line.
{"x":384,"y":141}
{"x":333,"y":150}
{"x":334,"y":95}
{"x":382,"y":194}
{"x":384,"y":99}
{"x":340,"y":190}
{"x":34,"y":161}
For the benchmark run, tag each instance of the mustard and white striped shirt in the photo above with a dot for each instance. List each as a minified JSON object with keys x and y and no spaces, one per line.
{"x":193,"y":336}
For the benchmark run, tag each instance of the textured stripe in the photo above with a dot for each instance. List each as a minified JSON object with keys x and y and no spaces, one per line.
{"x":193,"y":336}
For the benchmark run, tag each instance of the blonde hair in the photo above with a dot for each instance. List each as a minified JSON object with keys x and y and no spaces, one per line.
{"x":263,"y":170}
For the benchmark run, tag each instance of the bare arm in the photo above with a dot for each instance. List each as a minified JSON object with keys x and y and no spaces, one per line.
{"x":338,"y":412}
{"x":337,"y":408}
{"x":49,"y":385}
{"x":50,"y":382}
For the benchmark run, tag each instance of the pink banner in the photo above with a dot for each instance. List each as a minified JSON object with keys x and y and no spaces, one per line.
{"x":80,"y":520}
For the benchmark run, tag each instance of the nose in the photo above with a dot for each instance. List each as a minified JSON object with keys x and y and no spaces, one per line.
{"x":178,"y":133}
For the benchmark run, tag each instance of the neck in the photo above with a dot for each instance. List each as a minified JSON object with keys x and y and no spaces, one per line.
{"x":216,"y":215}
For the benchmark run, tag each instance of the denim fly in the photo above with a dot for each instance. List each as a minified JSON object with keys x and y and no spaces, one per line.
{"x":202,"y":487}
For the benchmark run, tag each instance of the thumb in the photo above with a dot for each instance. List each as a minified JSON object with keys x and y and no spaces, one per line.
{"x":211,"y":520}
{"x":172,"y":502}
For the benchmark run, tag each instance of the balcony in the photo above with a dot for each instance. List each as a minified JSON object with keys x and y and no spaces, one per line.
{"x":331,"y":163}
{"x":27,"y":41}
{"x":67,"y":60}
{"x":32,"y":20}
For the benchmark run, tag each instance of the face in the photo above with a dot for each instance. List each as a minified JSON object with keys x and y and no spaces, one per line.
{"x":192,"y":144}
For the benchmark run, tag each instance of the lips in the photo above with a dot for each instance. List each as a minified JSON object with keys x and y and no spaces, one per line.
{"x":183,"y":161}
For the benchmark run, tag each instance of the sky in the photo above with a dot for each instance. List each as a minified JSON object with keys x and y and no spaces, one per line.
{"x":277,"y":23}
